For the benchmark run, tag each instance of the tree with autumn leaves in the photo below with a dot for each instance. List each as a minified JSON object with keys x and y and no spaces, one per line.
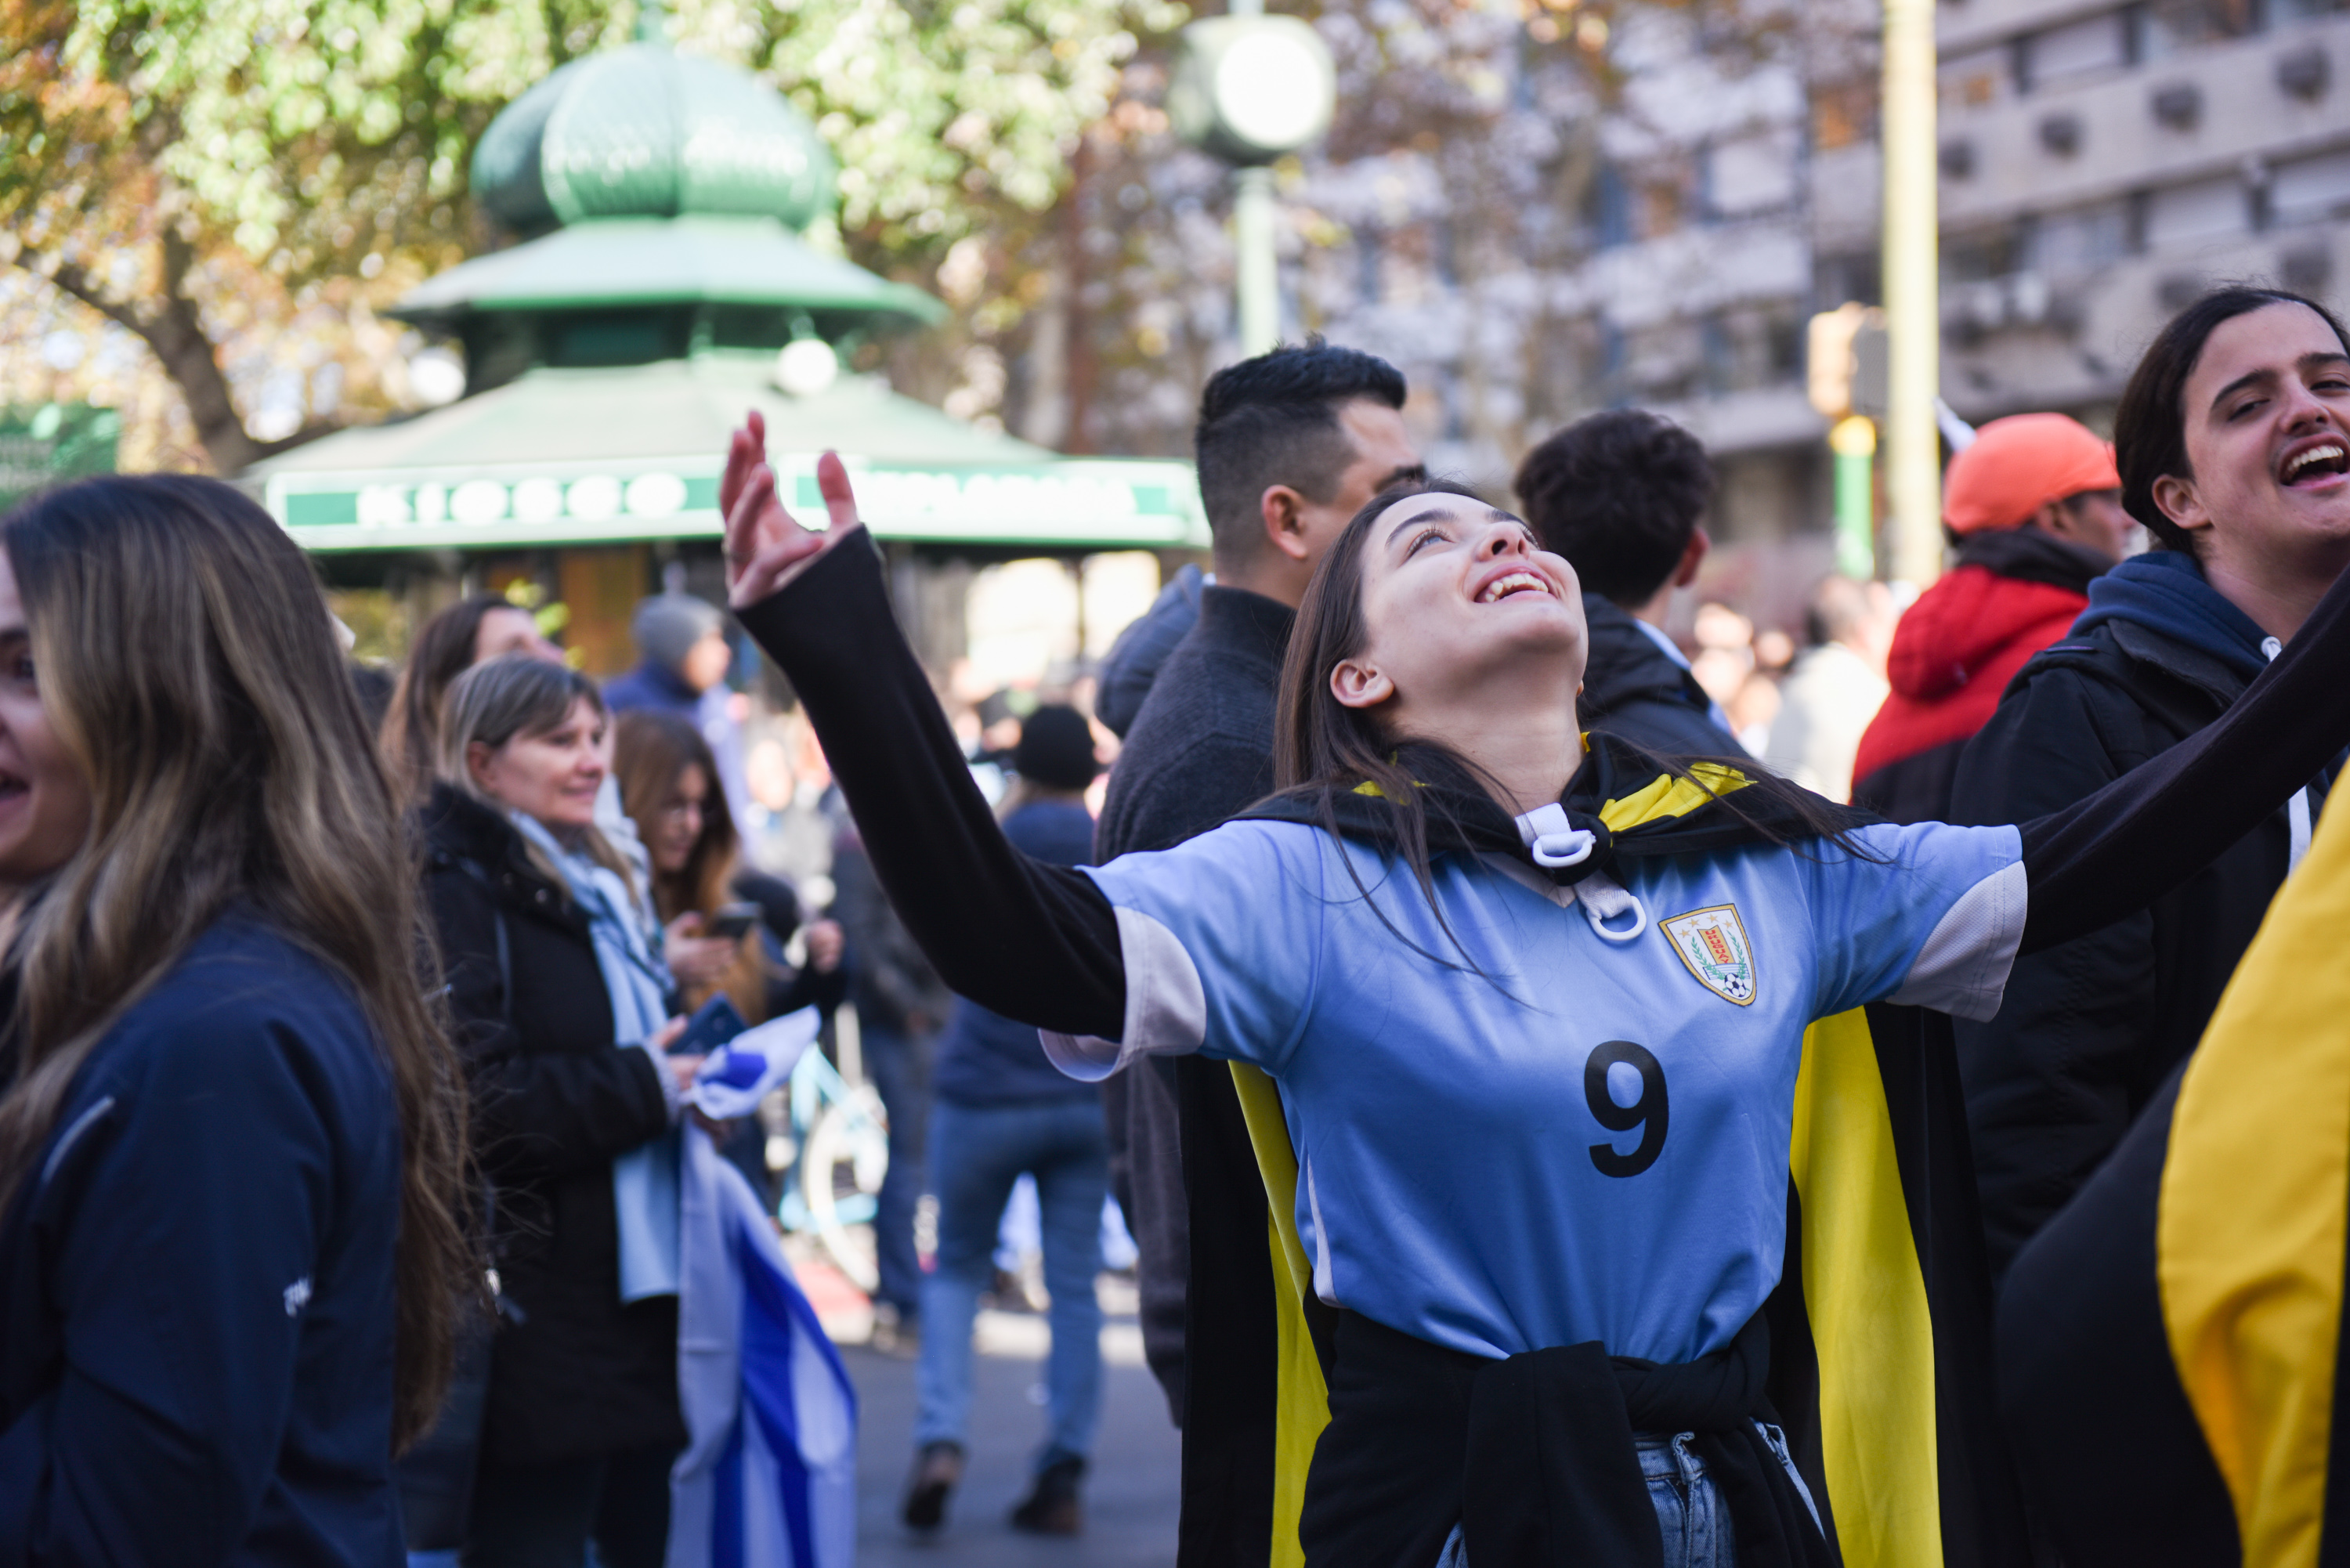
{"x":240,"y":184}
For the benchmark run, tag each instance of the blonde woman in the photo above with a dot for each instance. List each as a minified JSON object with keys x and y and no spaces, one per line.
{"x":562,"y":1010}
{"x":231,"y":1130}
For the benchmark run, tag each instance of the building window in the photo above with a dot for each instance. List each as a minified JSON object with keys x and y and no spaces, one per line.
{"x":1974,"y":79}
{"x":2312,"y":190}
{"x":2076,"y":51}
{"x":1666,"y":362}
{"x":2166,"y":26}
{"x":1835,"y":279}
{"x":2198,"y":214}
{"x":1753,"y":174}
{"x":2079,"y":240}
{"x":1843,"y":115}
{"x":1979,"y":256}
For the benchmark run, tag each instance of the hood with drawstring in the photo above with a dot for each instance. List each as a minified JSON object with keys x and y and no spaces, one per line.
{"x":2165,"y":591}
{"x":2012,"y":593}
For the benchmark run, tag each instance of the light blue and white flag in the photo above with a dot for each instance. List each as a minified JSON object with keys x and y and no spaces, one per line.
{"x":769,"y":1478}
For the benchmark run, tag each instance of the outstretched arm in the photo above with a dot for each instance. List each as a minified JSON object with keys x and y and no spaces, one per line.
{"x":2121,"y":849}
{"x":1032,"y":941}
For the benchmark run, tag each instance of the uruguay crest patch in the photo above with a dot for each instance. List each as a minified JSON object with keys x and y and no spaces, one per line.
{"x":1713,"y":943}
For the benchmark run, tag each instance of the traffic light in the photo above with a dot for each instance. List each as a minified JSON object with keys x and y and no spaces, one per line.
{"x":1846,"y":366}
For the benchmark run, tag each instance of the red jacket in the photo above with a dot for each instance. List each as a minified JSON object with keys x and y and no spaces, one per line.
{"x":2012,"y":593}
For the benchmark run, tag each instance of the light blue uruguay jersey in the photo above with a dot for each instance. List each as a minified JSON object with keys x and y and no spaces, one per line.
{"x":1588,"y":1140}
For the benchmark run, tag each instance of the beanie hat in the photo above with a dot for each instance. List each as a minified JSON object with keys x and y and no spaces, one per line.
{"x":1056,"y":749}
{"x":667,"y":626}
{"x":2018,"y":465}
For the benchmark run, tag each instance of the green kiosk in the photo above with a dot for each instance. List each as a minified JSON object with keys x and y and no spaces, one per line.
{"x":659,"y":288}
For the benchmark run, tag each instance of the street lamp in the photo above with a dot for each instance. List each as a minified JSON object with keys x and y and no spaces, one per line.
{"x":1251,"y":89}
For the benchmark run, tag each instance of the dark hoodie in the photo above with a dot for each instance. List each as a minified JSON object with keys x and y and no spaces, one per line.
{"x":1634,"y":689}
{"x":2091,"y":1028}
{"x":2012,"y":594}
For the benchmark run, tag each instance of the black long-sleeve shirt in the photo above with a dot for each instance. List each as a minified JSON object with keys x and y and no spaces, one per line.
{"x":1040,"y":943}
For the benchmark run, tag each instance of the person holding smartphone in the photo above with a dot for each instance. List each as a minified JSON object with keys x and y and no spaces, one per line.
{"x":726,"y":924}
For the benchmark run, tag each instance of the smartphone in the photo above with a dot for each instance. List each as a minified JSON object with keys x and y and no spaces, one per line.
{"x":713,"y":1023}
{"x":731,"y":923}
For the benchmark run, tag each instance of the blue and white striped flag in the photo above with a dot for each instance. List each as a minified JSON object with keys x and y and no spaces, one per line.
{"x":734,"y":1078}
{"x":769,"y":1478}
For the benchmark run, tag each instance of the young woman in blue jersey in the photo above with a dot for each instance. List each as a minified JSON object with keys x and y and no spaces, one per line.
{"x":1538,"y":1075}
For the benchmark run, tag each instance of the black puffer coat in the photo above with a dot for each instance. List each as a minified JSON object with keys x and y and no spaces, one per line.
{"x":574,"y":1373}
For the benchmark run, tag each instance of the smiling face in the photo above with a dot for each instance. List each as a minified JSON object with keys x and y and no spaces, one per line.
{"x":2266,"y":415}
{"x":678,"y":821}
{"x":552,"y":775}
{"x":45,"y":801}
{"x":1459,"y":603}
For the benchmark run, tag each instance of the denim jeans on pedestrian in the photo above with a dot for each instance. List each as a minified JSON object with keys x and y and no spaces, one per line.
{"x":898,"y":1066}
{"x":1689,"y":1507}
{"x":977,"y":1152}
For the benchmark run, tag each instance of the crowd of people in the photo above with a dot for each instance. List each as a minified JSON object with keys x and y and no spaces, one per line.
{"x":1575,"y":1096}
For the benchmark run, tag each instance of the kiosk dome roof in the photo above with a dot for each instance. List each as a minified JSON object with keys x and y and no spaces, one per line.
{"x":645,"y":132}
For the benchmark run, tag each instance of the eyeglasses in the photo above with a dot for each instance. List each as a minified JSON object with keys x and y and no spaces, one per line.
{"x":680,"y":810}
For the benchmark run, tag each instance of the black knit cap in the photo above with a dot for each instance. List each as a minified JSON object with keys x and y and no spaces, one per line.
{"x":1056,"y":749}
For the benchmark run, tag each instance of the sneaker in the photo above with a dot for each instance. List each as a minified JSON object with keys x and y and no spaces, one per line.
{"x":938,"y":1468}
{"x":1052,"y":1507}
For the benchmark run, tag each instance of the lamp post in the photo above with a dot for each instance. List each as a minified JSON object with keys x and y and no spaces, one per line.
{"x":1251,"y":89}
{"x":1913,"y":458}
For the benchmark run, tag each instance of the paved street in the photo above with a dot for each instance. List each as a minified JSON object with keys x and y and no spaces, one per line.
{"x":1131,"y":1493}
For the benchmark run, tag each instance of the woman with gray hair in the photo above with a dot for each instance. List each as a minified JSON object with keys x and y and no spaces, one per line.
{"x":561,"y":1010}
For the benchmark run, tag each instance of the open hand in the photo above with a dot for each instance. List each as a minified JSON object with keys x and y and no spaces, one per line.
{"x":765,"y":549}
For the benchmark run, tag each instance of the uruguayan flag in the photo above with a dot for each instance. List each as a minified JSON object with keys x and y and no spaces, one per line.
{"x":736,"y":1077}
{"x":769,"y":1478}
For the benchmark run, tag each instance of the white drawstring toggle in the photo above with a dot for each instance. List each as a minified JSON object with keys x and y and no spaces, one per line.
{"x":1556,"y":843}
{"x":1603,"y":900}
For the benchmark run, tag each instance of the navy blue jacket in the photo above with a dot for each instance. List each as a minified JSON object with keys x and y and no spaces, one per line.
{"x":656,"y":687}
{"x":196,"y":1286}
{"x":985,"y":1058}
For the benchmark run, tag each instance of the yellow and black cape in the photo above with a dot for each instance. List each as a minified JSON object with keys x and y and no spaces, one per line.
{"x":2171,"y":1343}
{"x":1879,"y":1327}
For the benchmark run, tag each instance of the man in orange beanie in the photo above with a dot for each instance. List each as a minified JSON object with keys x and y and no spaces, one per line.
{"x":2034,"y":508}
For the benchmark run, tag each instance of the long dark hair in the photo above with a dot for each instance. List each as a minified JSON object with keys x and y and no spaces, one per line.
{"x":443,"y":651}
{"x":1322,"y":749}
{"x":650,"y":752}
{"x":187,"y":660}
{"x":2150,"y":423}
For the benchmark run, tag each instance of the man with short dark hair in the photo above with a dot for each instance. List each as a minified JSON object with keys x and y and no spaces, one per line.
{"x":1289,"y":446}
{"x":1620,"y":495}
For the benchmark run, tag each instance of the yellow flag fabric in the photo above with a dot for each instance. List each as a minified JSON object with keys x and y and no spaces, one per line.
{"x":1303,"y":1399}
{"x":2250,"y":1222}
{"x":1865,"y":1294}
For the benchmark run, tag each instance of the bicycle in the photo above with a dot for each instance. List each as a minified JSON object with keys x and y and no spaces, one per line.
{"x":832,"y":1156}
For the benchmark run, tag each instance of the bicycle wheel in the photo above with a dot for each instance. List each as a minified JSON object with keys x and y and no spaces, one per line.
{"x":842,"y":1165}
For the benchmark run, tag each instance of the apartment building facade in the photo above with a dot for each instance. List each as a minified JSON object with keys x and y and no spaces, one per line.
{"x":2102,"y":164}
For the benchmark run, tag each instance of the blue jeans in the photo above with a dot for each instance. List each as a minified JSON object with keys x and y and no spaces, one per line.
{"x":1687,"y":1500}
{"x":977,"y":1152}
{"x":899,"y":1067}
